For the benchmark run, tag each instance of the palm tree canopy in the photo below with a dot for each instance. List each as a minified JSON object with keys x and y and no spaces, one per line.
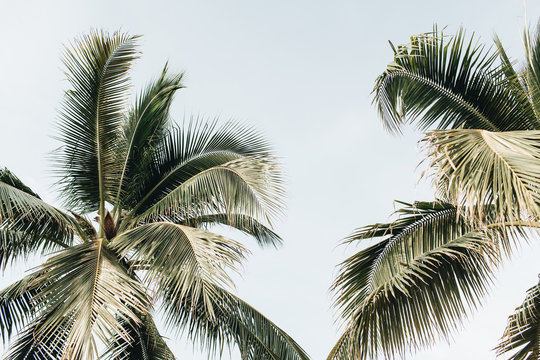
{"x":158,"y":189}
{"x":423,"y":273}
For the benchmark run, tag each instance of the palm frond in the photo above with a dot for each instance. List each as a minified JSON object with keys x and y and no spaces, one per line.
{"x":523,"y":330}
{"x":414,"y":285}
{"x":147,"y":343}
{"x":249,"y":185}
{"x":87,"y":292}
{"x":97,"y":66}
{"x":181,"y":259}
{"x":144,"y":129}
{"x":232,"y":321}
{"x":531,"y":76}
{"x":27,"y":223}
{"x":449,"y":82}
{"x":479,"y":169}
{"x":246,"y":224}
{"x":231,"y":162}
{"x":17,"y":306}
{"x":29,"y":347}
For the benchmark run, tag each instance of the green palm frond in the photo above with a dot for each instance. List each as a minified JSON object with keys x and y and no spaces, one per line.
{"x":414,"y":285}
{"x":479,"y":169}
{"x":449,"y":82}
{"x":342,"y":347}
{"x":246,"y":224}
{"x":181,"y":259}
{"x":97,"y":66}
{"x":143,"y":131}
{"x":28,"y":347}
{"x":27,"y":223}
{"x":87,"y":292}
{"x":248,"y":185}
{"x":232,"y":321}
{"x":232,"y":160}
{"x":17,"y":306}
{"x":523,"y":330}
{"x":531,"y":75}
{"x":147,"y":343}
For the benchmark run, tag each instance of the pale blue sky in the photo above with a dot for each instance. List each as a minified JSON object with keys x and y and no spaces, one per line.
{"x":302,"y":72}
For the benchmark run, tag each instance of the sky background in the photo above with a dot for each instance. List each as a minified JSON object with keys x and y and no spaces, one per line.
{"x":301,"y":72}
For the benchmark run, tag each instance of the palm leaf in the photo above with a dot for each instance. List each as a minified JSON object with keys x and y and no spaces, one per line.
{"x":27,"y":223}
{"x":87,"y":290}
{"x":205,"y":168}
{"x":181,"y":259}
{"x":244,"y":223}
{"x":29,"y":347}
{"x":480,"y":169}
{"x":147,"y":343}
{"x":17,"y":305}
{"x":449,"y":82}
{"x":248,"y":185}
{"x":232,"y":321}
{"x":144,"y":129}
{"x":414,"y":285}
{"x":96,"y":67}
{"x":522,"y":334}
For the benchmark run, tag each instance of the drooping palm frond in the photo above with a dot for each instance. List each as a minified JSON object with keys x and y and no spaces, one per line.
{"x":87,"y":291}
{"x":17,"y":306}
{"x":147,"y":343}
{"x":97,"y":66}
{"x":29,"y":347}
{"x":233,"y":321}
{"x":248,"y":185}
{"x":17,"y":200}
{"x":244,"y":223}
{"x":449,"y":82}
{"x":181,"y":259}
{"x":416,"y":284}
{"x":523,"y":330}
{"x":480,"y":168}
{"x":144,"y":129}
{"x":205,"y":168}
{"x":27,"y":223}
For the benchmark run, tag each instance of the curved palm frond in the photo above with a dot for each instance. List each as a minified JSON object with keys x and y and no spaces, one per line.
{"x":523,"y":330}
{"x":246,"y":224}
{"x":232,"y":160}
{"x":97,"y":66}
{"x":479,"y":168}
{"x":147,"y":343}
{"x":29,"y":347}
{"x":144,"y":129}
{"x":17,"y":305}
{"x":414,"y":285}
{"x":232,"y":321}
{"x":27,"y":223}
{"x":248,"y":185}
{"x":531,"y":75}
{"x":180,"y":259}
{"x":87,"y":292}
{"x":449,"y":82}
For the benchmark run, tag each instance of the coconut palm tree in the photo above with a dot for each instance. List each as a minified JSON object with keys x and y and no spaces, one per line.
{"x":155,"y":189}
{"x":420,"y":275}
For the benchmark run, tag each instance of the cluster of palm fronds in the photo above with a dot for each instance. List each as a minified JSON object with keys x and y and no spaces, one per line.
{"x":156,"y":188}
{"x":430,"y":267}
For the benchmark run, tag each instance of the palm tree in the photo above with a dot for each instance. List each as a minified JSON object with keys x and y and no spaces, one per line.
{"x":423,"y":273}
{"x":156,"y":188}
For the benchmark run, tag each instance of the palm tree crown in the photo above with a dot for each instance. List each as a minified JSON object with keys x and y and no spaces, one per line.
{"x":156,"y":188}
{"x":424,"y":272}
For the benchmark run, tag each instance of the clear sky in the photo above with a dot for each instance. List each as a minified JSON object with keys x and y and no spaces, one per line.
{"x":302,"y":72}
